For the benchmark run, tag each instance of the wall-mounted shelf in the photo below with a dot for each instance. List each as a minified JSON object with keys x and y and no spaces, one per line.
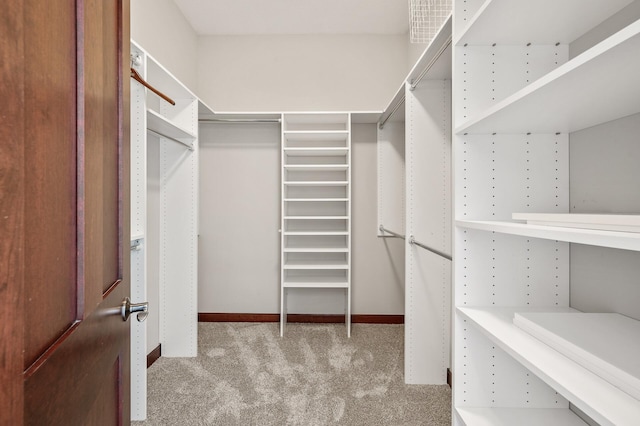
{"x":518,"y":416}
{"x":164,"y":126}
{"x":542,"y":21}
{"x":316,"y":152}
{"x":612,"y":239}
{"x":316,"y":183}
{"x":316,"y":167}
{"x":595,"y":396}
{"x":574,"y":96}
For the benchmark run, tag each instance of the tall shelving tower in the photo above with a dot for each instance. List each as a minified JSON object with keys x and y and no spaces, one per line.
{"x":316,"y":206}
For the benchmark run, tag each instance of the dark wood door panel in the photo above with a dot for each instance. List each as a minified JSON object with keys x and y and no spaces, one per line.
{"x":98,"y":122}
{"x":50,"y":174}
{"x":64,"y":212}
{"x":12,"y":155}
{"x":89,"y":365}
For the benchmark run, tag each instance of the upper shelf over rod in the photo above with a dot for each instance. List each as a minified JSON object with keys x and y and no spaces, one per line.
{"x":434,"y":63}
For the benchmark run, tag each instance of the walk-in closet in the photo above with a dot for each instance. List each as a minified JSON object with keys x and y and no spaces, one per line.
{"x":475,"y":183}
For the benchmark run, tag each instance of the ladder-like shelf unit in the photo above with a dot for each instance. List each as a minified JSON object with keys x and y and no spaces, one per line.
{"x":316,"y":205}
{"x":518,"y":95}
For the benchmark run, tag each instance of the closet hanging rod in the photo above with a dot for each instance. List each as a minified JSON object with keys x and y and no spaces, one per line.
{"x":139,"y":79}
{"x":393,"y":111}
{"x":432,"y":250}
{"x":393,"y":234}
{"x":171,"y":139}
{"x":238,"y":120}
{"x":414,"y":83}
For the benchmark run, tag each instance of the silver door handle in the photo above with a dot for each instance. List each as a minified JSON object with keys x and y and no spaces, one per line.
{"x":128,"y":308}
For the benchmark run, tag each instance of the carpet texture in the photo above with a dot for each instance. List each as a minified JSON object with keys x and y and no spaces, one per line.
{"x":245,"y":374}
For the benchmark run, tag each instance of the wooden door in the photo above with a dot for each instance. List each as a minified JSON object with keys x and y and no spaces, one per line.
{"x":64,"y":213}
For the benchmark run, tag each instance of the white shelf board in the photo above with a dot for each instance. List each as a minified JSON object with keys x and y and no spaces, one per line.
{"x":162,"y":125}
{"x":204,"y":114}
{"x":317,"y":152}
{"x":594,"y":237}
{"x":600,"y":85}
{"x":316,"y":135}
{"x":539,"y":22}
{"x":599,"y":399}
{"x":313,"y":200}
{"x":316,"y":217}
{"x":494,"y":416}
{"x":604,"y":222}
{"x":316,"y":183}
{"x":316,"y":233}
{"x":137,"y":237}
{"x":317,"y":167}
{"x":315,"y":264}
{"x":607,"y":344}
{"x":316,"y":282}
{"x":320,"y":117}
{"x":316,"y":250}
{"x":365,"y":117}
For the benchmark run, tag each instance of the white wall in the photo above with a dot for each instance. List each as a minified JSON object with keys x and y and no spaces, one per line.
{"x":239,"y":257}
{"x":161,"y":29}
{"x":616,"y":22}
{"x":300,"y":72}
{"x":604,"y":178}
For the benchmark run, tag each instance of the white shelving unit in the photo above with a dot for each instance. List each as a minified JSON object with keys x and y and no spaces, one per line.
{"x":316,"y":205}
{"x":518,"y":96}
{"x":171,"y":130}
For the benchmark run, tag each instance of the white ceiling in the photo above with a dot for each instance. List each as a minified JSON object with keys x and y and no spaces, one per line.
{"x":215,"y":17}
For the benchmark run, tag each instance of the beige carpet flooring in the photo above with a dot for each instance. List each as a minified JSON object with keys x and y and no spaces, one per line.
{"x":245,"y":374}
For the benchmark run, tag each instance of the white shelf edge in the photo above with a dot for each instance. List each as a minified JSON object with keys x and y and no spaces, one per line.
{"x":316,"y":199}
{"x":498,"y":416}
{"x":316,"y":183}
{"x":598,"y":398}
{"x":594,"y":237}
{"x":556,"y":28}
{"x":328,"y":167}
{"x":316,"y":250}
{"x":316,"y":217}
{"x":317,"y":233}
{"x":314,"y":266}
{"x":137,"y":237}
{"x":162,"y":125}
{"x":564,"y":71}
{"x":315,"y":284}
{"x":316,"y":132}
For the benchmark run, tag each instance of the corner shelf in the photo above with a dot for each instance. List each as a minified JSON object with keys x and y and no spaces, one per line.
{"x":595,"y":396}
